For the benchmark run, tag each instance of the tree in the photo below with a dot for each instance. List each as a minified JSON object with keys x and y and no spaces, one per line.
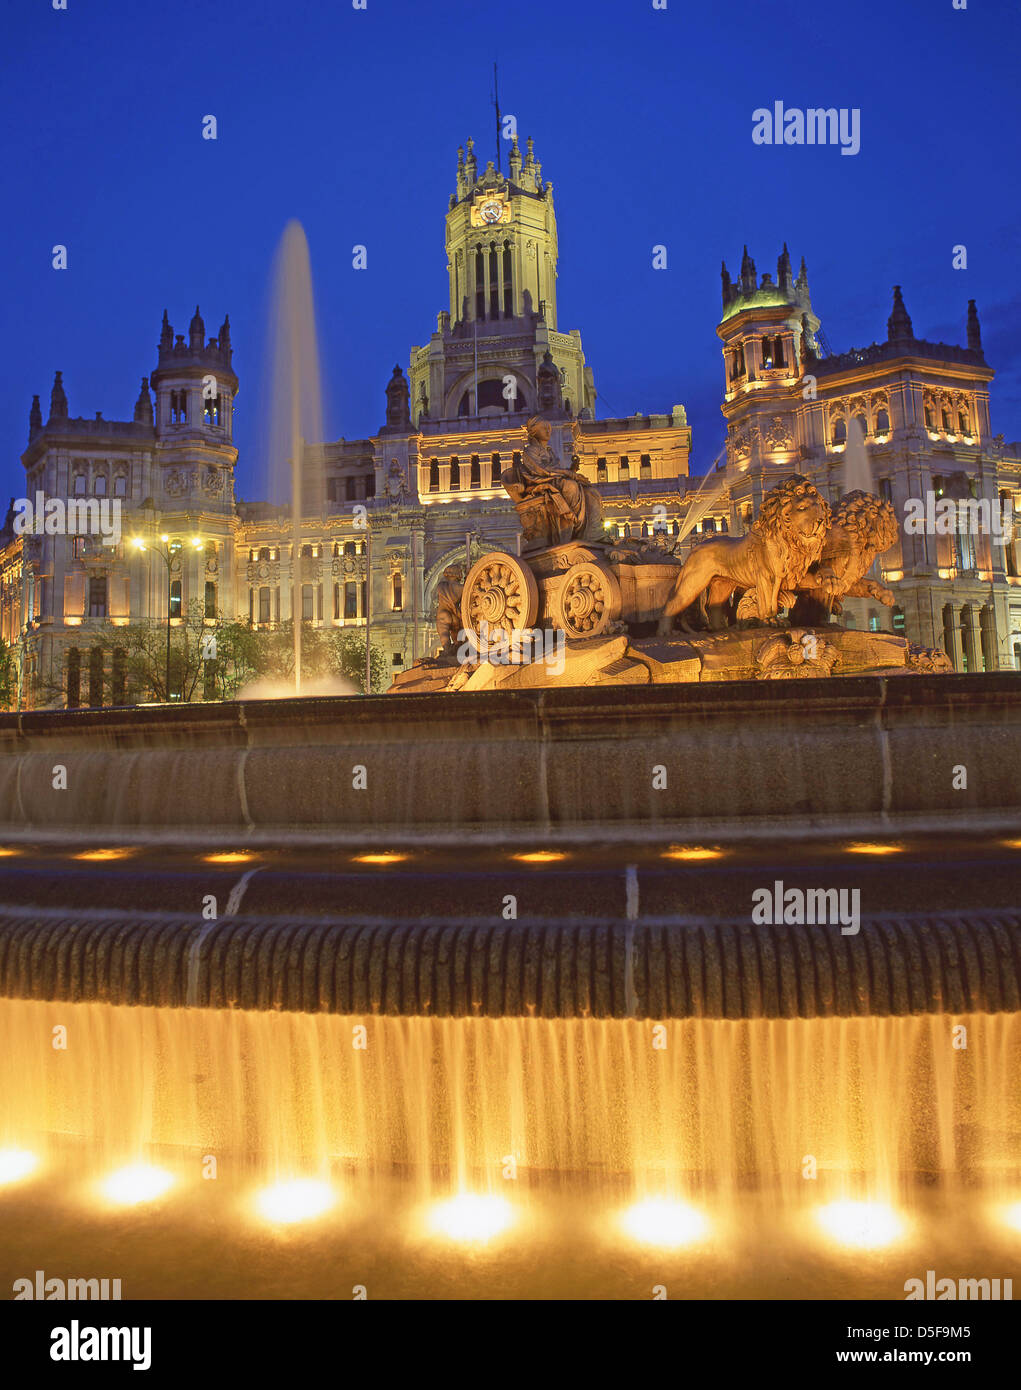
{"x":345,"y":651}
{"x":8,"y":677}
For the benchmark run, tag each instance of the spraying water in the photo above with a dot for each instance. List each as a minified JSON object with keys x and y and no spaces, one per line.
{"x":857,"y":467}
{"x":295,"y":403}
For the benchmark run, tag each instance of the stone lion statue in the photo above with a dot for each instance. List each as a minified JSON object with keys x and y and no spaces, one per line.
{"x":770,"y":562}
{"x":863,"y":527}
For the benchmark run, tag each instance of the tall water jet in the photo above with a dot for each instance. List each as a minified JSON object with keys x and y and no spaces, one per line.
{"x":295,"y":403}
{"x":857,"y":466}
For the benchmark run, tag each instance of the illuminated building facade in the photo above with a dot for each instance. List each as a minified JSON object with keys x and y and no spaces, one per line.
{"x":401,"y":506}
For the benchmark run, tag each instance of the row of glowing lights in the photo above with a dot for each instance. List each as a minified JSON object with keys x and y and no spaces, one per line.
{"x":475,"y":1217}
{"x":687,"y":853}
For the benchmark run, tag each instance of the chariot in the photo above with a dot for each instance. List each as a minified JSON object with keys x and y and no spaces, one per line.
{"x":584,"y":588}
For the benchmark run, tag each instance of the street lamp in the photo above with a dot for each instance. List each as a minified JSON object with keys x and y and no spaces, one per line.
{"x":166,"y":554}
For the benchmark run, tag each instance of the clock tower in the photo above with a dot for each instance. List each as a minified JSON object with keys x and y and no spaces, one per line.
{"x":486,"y":356}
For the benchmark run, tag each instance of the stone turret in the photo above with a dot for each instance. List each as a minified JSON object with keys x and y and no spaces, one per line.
{"x":898,"y":325}
{"x":58,"y":400}
{"x":143,"y":406}
{"x":196,"y":331}
{"x":974,"y":330}
{"x":398,"y":405}
{"x":35,"y":419}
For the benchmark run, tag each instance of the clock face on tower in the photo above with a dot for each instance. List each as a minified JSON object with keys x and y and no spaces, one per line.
{"x":492,"y":211}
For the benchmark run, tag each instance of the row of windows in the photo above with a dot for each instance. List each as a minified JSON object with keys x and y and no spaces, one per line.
{"x":99,"y":485}
{"x":468,"y":474}
{"x":212,"y":409}
{"x":312,"y":551}
{"x":350,"y":601}
{"x":838,"y":429}
{"x":945,"y":418}
{"x":354,"y":489}
{"x":773,"y":355}
{"x":98,"y":603}
{"x":623,"y":469}
{"x":96,"y":677}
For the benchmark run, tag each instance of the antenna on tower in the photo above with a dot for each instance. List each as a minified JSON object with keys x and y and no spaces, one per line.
{"x":496,"y":103}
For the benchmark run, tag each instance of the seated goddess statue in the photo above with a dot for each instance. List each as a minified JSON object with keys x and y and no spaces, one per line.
{"x":555,"y":504}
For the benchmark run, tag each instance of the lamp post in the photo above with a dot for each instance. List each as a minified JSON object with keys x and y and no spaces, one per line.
{"x":166,"y":552}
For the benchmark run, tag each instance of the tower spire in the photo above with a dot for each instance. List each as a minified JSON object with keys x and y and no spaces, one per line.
{"x":35,"y":418}
{"x":58,"y":400}
{"x":898,"y":325}
{"x":974,"y":330}
{"x":783,"y":270}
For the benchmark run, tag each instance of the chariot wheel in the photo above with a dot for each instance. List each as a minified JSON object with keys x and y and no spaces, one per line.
{"x":589,"y":599}
{"x":499,"y":591}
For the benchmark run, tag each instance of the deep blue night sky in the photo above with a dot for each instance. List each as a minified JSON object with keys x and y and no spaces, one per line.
{"x":350,"y":120}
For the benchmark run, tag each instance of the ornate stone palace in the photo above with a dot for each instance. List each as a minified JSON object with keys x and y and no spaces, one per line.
{"x":425,"y":492}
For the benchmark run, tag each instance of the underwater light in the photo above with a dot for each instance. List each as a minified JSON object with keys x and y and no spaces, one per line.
{"x":16,"y":1164}
{"x":471,"y":1216}
{"x":233,"y":856}
{"x":865,"y":1225}
{"x":691,"y":852}
{"x":658,"y":1221}
{"x":864,"y":848}
{"x":379,"y":858}
{"x":540,"y":856}
{"x":299,"y":1199}
{"x":120,"y":853}
{"x":139,"y":1182}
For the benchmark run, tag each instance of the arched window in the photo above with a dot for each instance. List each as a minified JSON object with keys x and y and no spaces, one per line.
{"x":74,"y":678}
{"x":434,"y":475}
{"x":80,"y":484}
{"x":944,"y":416}
{"x":398,"y":599}
{"x":96,"y":677}
{"x":120,"y":485}
{"x":962,"y":422}
{"x":455,"y":475}
{"x":767,"y":353}
{"x":927,"y":413}
{"x":839,"y":431}
{"x":99,"y":485}
{"x":862,"y":424}
{"x":882,"y":422}
{"x":778,"y":354}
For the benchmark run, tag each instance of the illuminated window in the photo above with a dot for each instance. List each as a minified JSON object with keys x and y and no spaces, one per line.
{"x":97,"y":596}
{"x":434,"y":475}
{"x":307,"y":603}
{"x":398,"y":602}
{"x":175,"y":599}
